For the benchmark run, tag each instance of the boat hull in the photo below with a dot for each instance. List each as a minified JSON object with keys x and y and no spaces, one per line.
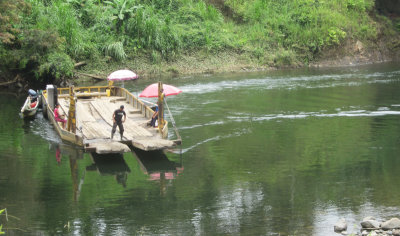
{"x":64,"y":134}
{"x":27,"y":111}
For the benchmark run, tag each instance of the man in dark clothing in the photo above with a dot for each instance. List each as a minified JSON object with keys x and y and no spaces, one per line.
{"x":154,"y":118}
{"x":117,"y":119}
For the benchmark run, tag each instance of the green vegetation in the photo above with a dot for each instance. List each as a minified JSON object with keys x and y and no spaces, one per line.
{"x":44,"y":38}
{"x":1,"y":226}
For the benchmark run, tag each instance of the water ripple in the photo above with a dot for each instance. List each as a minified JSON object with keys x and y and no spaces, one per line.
{"x":216,"y":138}
{"x":303,"y":115}
{"x":313,"y":81}
{"x":243,"y":117}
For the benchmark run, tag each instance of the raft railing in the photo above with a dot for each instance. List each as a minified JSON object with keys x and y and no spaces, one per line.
{"x":95,"y":91}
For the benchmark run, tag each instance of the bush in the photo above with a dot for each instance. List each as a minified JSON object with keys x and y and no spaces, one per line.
{"x":41,"y":53}
{"x":57,"y":65}
{"x":359,"y":5}
{"x":115,"y":50}
{"x":153,"y":32}
{"x":284,"y":58}
{"x":334,"y":37}
{"x":61,"y":17}
{"x":69,"y":30}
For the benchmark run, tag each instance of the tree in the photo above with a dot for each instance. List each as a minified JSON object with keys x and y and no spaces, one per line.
{"x":9,"y":10}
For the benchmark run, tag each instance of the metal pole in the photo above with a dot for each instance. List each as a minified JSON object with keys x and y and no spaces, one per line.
{"x":160,"y":107}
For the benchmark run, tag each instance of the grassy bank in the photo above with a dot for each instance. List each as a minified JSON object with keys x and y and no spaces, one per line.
{"x":43,"y":39}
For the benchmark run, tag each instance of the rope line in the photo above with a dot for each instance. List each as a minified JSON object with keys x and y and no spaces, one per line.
{"x":173,"y":121}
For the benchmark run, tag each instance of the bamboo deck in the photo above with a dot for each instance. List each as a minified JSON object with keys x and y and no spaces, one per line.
{"x":94,"y":123}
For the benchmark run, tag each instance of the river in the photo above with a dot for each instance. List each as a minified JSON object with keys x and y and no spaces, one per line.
{"x":286,"y":152}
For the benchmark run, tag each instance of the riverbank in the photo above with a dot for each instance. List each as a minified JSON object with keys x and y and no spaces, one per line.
{"x":43,"y":42}
{"x":352,"y":53}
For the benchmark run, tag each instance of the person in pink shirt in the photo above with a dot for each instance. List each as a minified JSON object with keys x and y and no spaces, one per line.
{"x":58,"y":116}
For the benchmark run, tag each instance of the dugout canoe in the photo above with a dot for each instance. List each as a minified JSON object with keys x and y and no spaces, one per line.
{"x":29,"y":109}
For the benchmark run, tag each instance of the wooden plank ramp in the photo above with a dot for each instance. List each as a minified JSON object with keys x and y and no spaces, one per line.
{"x":152,"y":144}
{"x":107,"y":146}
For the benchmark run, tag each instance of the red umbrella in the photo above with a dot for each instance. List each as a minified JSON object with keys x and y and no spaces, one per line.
{"x":151,"y":91}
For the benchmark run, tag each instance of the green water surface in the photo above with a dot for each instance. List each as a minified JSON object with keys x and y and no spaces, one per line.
{"x":273,"y":153}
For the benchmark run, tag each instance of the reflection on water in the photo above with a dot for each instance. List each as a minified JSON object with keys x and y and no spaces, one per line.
{"x":157,"y":165}
{"x":277,"y":153}
{"x":110,"y":164}
{"x":65,"y":150}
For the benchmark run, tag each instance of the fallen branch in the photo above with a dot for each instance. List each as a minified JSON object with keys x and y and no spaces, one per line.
{"x":80,"y":64}
{"x":92,"y":76}
{"x":10,"y":82}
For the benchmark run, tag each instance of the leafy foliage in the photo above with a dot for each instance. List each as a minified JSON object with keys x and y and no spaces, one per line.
{"x":9,"y":17}
{"x":121,"y":10}
{"x":1,"y":226}
{"x":306,"y":26}
{"x":115,"y":50}
{"x":56,"y":65}
{"x":283,"y":32}
{"x":36,"y":48}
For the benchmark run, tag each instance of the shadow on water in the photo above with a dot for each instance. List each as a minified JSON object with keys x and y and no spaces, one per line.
{"x":110,"y":164}
{"x":157,"y":165}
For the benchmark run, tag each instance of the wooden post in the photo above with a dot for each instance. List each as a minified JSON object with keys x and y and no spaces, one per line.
{"x":71,"y":125}
{"x":160,"y":107}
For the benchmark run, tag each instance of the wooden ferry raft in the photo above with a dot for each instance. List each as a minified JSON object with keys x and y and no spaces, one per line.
{"x":89,"y":113}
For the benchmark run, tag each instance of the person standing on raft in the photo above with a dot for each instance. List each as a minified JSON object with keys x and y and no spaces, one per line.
{"x":117,"y":119}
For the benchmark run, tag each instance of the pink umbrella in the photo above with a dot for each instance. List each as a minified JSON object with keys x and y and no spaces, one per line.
{"x":121,"y":75}
{"x":151,"y":91}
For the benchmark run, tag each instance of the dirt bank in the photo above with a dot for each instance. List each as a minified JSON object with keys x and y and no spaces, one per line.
{"x":353,"y":52}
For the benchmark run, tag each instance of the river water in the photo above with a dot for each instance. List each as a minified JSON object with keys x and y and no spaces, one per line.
{"x":275,"y":153}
